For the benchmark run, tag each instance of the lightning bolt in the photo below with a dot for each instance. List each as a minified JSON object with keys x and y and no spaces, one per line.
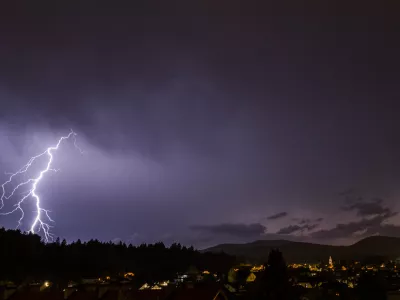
{"x":42,"y":215}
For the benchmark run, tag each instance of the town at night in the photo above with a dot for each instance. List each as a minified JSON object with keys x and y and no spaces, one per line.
{"x":199,"y":149}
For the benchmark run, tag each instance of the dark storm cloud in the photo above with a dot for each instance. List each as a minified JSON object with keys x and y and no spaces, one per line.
{"x":297,"y":228}
{"x":278,"y":216}
{"x":304,"y":221}
{"x":310,"y":227}
{"x":365,"y":226}
{"x":289,"y":229}
{"x":200,"y":110}
{"x":374,"y":215}
{"x":368,"y":208}
{"x":240,"y":230}
{"x":303,"y":225}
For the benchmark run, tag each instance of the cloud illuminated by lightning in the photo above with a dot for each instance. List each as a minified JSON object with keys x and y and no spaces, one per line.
{"x":42,"y":215}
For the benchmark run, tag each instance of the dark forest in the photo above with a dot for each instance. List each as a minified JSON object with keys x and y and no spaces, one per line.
{"x":26,"y":257}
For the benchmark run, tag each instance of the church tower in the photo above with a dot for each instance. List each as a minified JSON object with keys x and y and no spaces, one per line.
{"x":330,"y":261}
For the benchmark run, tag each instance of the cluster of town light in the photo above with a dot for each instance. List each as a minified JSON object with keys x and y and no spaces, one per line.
{"x":157,"y":286}
{"x":257,"y":268}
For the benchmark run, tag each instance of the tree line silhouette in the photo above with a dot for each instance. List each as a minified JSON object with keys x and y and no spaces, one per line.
{"x":26,"y":257}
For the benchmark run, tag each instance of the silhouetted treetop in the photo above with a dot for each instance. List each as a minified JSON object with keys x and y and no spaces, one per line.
{"x":24,"y":255}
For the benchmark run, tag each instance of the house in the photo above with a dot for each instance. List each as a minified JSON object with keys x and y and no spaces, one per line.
{"x":251,"y":278}
{"x":305,"y":284}
{"x":144,"y":287}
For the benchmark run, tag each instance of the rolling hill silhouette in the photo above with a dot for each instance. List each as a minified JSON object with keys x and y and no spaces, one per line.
{"x":374,"y":246}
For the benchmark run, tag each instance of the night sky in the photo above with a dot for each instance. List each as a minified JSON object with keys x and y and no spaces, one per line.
{"x":206,"y":122}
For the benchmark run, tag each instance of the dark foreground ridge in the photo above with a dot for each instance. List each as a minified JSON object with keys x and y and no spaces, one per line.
{"x":26,"y":257}
{"x":33,"y":270}
{"x":386,"y":247}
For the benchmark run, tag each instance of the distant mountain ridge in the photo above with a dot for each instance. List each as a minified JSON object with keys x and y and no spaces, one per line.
{"x":388,"y":247}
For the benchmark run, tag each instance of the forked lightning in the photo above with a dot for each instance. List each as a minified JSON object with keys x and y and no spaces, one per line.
{"x":42,"y":215}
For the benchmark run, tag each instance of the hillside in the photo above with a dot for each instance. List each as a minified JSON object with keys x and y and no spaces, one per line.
{"x":257,"y":251}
